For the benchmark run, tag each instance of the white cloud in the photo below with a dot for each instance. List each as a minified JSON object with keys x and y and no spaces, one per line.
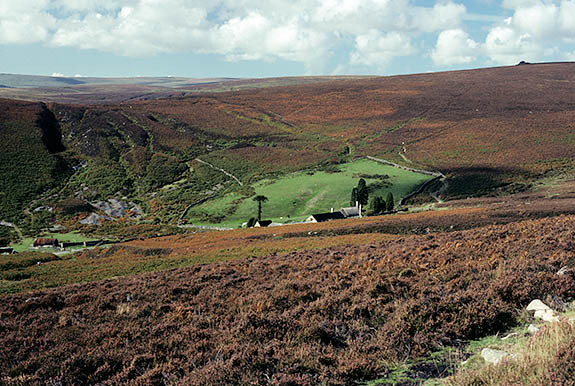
{"x":539,"y":20}
{"x":441,"y":16}
{"x":58,"y":75}
{"x":375,"y":49}
{"x":567,"y":18}
{"x":504,"y":45}
{"x":454,"y":46}
{"x":24,"y":21}
{"x":534,"y":32}
{"x":372,"y":32}
{"x":296,"y":30}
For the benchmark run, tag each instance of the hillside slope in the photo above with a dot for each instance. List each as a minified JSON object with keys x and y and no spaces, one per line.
{"x":490,"y":130}
{"x":337,"y":316}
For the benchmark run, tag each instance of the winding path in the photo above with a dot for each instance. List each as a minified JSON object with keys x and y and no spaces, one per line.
{"x":221,"y":170}
{"x":200,"y":201}
{"x":427,"y":172}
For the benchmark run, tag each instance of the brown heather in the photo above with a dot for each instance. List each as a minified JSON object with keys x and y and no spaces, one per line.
{"x":332,"y":316}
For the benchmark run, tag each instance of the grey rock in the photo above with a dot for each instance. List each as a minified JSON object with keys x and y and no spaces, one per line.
{"x":94,"y":219}
{"x":546,"y":315}
{"x":532,"y":329}
{"x":118,"y":208}
{"x":538,"y":305}
{"x":44,"y":208}
{"x":494,"y":356}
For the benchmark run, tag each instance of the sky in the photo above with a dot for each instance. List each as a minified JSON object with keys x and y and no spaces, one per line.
{"x":268,"y":38}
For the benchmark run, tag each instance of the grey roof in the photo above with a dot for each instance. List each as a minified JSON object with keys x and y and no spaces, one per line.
{"x":352,"y":211}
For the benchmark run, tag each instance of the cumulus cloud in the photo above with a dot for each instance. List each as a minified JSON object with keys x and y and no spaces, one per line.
{"x":539,"y":20}
{"x":454,"y":46}
{"x":25,"y":21}
{"x":376,"y":49}
{"x":505,"y":45}
{"x":366,"y":32}
{"x":535,"y":31}
{"x":297,"y":30}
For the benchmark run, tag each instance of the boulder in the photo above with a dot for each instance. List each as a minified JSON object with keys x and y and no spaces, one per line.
{"x":542,"y":311}
{"x":538,"y":305}
{"x":532,"y":329}
{"x":494,"y":356}
{"x":94,"y":219}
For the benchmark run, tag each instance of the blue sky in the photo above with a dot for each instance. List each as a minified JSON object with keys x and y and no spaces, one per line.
{"x":265,"y":38}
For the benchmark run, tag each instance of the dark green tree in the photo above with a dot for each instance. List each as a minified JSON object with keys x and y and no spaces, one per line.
{"x":362,"y":193}
{"x":251,"y":222}
{"x":353,"y":197}
{"x":389,"y":202}
{"x":377,"y":205}
{"x":259,"y":199}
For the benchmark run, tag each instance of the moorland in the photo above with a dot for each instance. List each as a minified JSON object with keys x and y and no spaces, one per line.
{"x":400,"y":298}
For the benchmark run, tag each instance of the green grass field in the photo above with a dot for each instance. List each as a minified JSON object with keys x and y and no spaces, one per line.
{"x":24,"y":244}
{"x":296,"y":196}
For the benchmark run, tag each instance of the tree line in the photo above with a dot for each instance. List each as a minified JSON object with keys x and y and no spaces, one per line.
{"x":360,"y":195}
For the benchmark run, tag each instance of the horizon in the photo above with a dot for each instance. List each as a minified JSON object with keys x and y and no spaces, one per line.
{"x":230,"y":78}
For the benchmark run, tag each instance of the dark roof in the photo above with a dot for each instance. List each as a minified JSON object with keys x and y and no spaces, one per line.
{"x":264,"y":223}
{"x":328,"y":216}
{"x":43,"y":241}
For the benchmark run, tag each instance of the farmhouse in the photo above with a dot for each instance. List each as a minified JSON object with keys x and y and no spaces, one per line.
{"x":42,"y":242}
{"x":262,"y":223}
{"x":322,"y":217}
{"x":352,"y":211}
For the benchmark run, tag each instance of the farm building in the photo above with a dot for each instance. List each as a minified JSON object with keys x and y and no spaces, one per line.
{"x":352,"y":211}
{"x":322,"y":217}
{"x":262,"y":223}
{"x":72,"y":244}
{"x":6,"y":251}
{"x":42,"y":242}
{"x":92,"y":243}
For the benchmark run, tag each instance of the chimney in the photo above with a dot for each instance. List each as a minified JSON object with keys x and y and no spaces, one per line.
{"x":359,"y":210}
{"x":357,"y":204}
{"x":331,"y":210}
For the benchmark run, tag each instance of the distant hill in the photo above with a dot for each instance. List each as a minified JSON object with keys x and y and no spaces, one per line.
{"x":490,"y":131}
{"x":35,"y":81}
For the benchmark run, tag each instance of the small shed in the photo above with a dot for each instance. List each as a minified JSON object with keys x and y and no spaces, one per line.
{"x":43,"y":242}
{"x":262,"y":223}
{"x":322,"y":217}
{"x":6,"y":251}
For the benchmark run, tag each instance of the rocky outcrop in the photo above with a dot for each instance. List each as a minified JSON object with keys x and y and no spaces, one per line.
{"x":118,"y":208}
